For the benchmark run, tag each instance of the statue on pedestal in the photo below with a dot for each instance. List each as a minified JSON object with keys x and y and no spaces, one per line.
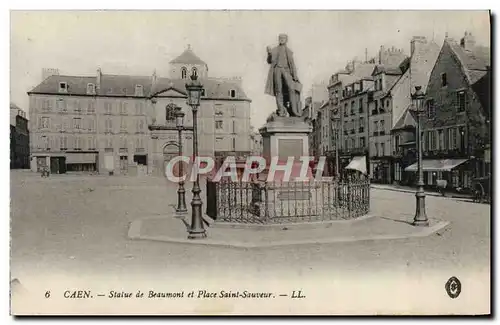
{"x":282,"y":80}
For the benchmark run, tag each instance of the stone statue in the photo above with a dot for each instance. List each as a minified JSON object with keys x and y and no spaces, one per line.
{"x":282,"y":80}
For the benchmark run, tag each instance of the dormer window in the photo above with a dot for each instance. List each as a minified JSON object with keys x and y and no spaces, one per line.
{"x":90,"y":89}
{"x":194,"y":71}
{"x":139,"y":90}
{"x":184,"y":73}
{"x":63,"y":87}
{"x":232,"y":93}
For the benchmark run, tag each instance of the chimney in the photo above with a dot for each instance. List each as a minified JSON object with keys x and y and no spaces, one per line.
{"x":98,"y":79}
{"x":47,"y":72}
{"x":380,"y":54}
{"x":416,"y":43}
{"x":468,"y":42}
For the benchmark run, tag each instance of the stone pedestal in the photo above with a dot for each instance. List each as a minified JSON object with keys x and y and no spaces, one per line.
{"x":285,"y":137}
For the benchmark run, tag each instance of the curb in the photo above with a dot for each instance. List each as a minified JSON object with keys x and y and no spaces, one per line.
{"x":426,"y":193}
{"x":135,"y":227}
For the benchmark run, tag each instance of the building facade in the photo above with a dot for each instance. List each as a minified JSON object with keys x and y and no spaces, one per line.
{"x":125,"y":124}
{"x":19,"y":139}
{"x":456,"y":128}
{"x":394,"y":83}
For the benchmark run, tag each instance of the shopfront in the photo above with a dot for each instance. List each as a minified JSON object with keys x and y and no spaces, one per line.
{"x":455,"y":171}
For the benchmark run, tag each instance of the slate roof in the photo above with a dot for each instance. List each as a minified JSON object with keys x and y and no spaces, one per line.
{"x":124,"y":86}
{"x":405,"y":121}
{"x":188,"y":57}
{"x":475,"y":61}
{"x":422,"y":63}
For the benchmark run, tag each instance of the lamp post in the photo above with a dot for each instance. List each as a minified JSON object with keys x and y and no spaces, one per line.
{"x":420,"y":215}
{"x":181,"y":192}
{"x":197,"y":230}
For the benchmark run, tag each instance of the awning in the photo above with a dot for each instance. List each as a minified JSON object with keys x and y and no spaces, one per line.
{"x":81,"y":158}
{"x":358,"y":163}
{"x":436,"y":165}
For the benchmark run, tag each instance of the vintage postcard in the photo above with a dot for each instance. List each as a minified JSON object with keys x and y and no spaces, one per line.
{"x":250,"y":162}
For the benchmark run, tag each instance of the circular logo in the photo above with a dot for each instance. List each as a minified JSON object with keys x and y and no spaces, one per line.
{"x":453,"y":287}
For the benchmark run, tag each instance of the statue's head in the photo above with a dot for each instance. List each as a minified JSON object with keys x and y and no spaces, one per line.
{"x":283,"y":38}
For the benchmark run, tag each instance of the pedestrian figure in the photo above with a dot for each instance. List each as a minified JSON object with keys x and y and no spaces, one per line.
{"x":441,"y":185}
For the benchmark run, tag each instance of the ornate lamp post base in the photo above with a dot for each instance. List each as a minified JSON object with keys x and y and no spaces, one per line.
{"x":181,"y":201}
{"x":197,"y":234}
{"x":420,"y":215}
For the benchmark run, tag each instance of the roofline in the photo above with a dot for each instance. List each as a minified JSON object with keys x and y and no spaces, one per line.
{"x":137,"y":97}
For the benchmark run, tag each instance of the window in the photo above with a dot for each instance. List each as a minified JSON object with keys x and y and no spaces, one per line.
{"x":109,"y":142}
{"x":194,"y":71}
{"x":77,"y":123}
{"x":63,"y":143}
{"x":139,"y":143}
{"x":397,"y":140}
{"x":362,"y":142}
{"x":461,"y":101}
{"x":78,"y":107}
{"x":234,"y":144}
{"x":61,"y":105}
{"x":108,"y":125}
{"x":123,"y":108}
{"x":183,"y":73}
{"x":346,"y":144}
{"x":353,"y":103}
{"x":140,"y":126}
{"x":90,"y":89}
{"x":203,"y":92}
{"x":345,"y":110}
{"x":382,"y":127}
{"x":440,"y":139}
{"x":361,"y":124}
{"x":233,"y":111}
{"x":139,"y":90}
{"x":376,"y":148}
{"x":90,"y":144}
{"x":431,"y":109}
{"x":108,"y":108}
{"x":63,"y":87}
{"x":234,"y":126}
{"x":382,"y":149}
{"x":375,"y":128}
{"x":452,"y":138}
{"x":123,"y":125}
{"x":388,"y":103}
{"x":218,"y":125}
{"x":45,"y":122}
{"x":139,"y":108}
{"x":91,"y":107}
{"x":78,"y":143}
{"x":444,"y":81}
{"x":232,"y":93}
{"x":170,"y":113}
{"x":361,"y":106}
{"x":423,"y":141}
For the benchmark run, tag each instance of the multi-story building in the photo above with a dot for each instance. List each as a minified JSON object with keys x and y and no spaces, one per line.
{"x":126,"y":124}
{"x":456,"y":128}
{"x":256,"y":142}
{"x":19,"y":138}
{"x":393,"y":84}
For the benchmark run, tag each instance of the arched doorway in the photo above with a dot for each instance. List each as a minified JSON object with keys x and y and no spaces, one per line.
{"x":170,"y":151}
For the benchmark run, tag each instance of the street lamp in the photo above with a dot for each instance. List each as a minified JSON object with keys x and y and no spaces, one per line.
{"x":420,"y":215}
{"x":197,"y":230}
{"x":181,"y":192}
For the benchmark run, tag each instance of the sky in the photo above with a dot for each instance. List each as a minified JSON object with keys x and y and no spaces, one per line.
{"x":232,"y":43}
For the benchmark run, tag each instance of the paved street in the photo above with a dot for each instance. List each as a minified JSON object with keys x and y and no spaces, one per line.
{"x":78,"y":224}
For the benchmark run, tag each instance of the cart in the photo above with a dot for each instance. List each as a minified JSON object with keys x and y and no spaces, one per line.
{"x":481,"y":187}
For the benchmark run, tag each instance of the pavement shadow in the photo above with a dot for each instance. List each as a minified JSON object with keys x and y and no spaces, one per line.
{"x":397,"y":220}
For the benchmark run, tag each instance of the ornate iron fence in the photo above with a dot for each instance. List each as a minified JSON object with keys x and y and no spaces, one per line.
{"x":287,"y":202}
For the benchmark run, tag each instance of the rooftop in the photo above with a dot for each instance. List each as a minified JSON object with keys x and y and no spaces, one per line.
{"x":188,"y":57}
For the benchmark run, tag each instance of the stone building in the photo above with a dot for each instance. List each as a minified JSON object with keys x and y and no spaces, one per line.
{"x":19,"y":138}
{"x":394,"y":85}
{"x":125,"y":124}
{"x":456,"y":127}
